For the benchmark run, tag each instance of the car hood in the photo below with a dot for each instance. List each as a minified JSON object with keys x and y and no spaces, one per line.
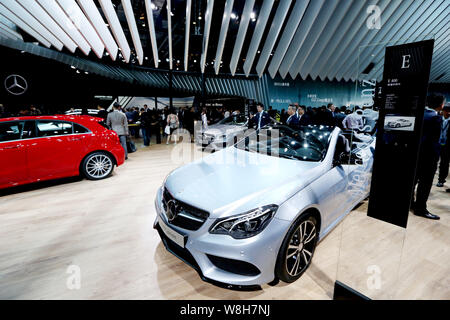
{"x":221,"y":129}
{"x":233,"y":181}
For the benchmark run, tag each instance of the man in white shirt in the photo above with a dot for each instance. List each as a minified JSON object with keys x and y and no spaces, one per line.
{"x":353,"y":120}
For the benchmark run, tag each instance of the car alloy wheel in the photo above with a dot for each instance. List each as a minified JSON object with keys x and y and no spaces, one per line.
{"x":297,"y":249}
{"x":300,"y":249}
{"x":98,"y":166}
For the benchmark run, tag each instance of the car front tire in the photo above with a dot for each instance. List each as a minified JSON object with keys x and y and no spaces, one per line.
{"x":98,"y":165}
{"x":297,"y":249}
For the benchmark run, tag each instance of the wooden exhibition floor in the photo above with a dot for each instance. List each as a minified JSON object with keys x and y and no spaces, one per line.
{"x":105,"y":228}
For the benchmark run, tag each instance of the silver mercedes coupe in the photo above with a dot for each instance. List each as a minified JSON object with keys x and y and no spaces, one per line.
{"x":253,"y":213}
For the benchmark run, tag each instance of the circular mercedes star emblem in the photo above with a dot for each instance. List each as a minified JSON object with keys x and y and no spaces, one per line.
{"x":16,"y":84}
{"x":171,"y":210}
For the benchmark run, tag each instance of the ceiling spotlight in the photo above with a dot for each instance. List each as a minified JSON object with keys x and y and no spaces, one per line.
{"x":194,"y":22}
{"x":167,"y":59}
{"x":253,"y":20}
{"x":171,"y":13}
{"x":252,"y":15}
{"x":86,"y":72}
{"x":200,"y":18}
{"x":159,"y":60}
{"x":78,"y":71}
{"x":72,"y":67}
{"x":153,"y":6}
{"x":146,"y":58}
{"x":233,"y":15}
{"x":143,"y":24}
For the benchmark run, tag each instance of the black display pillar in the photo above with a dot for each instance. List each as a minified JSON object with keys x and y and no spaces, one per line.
{"x":203,"y":90}
{"x":170,"y":89}
{"x":404,"y":91}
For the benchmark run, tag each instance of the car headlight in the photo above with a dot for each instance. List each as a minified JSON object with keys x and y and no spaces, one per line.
{"x":245,"y":225}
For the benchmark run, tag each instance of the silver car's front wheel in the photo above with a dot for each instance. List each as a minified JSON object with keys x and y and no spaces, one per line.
{"x":97,"y":166}
{"x":297,"y":249}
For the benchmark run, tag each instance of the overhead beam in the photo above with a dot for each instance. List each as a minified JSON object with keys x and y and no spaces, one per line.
{"x":131,"y":20}
{"x":64,"y":22}
{"x":208,"y":18}
{"x":327,"y":12}
{"x":7,"y":28}
{"x":21,"y":24}
{"x":288,"y":34}
{"x":92,"y":13}
{"x":257,"y":35}
{"x":243,"y":26}
{"x":151,"y":27}
{"x":223,"y":34}
{"x":169,"y":31}
{"x":116,"y":28}
{"x":36,"y":10}
{"x":21,"y":13}
{"x":187,"y":33}
{"x":83,"y":25}
{"x":275,"y":28}
{"x":302,"y":31}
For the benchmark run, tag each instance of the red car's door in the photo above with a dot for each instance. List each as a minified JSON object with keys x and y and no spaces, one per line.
{"x":56,"y":152}
{"x":13,"y":157}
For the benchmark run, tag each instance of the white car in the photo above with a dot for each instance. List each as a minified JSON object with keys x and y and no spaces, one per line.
{"x":399,"y":123}
{"x":254,"y":212}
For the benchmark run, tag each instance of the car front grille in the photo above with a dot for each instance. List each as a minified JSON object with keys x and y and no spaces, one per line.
{"x":185,"y":216}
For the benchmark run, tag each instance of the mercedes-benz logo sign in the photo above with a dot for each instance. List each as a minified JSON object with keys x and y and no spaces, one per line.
{"x":16,"y":84}
{"x":171,"y":210}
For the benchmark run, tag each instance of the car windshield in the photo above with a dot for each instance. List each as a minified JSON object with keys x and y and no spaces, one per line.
{"x":234,"y":119}
{"x":308,"y":143}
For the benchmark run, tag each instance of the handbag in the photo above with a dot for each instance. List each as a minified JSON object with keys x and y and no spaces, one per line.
{"x":167,"y":130}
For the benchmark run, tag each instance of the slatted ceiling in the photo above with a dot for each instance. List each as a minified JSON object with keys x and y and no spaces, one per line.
{"x":402,"y":32}
{"x":83,"y":25}
{"x":64,"y":22}
{"x":396,"y":7}
{"x":358,"y":25}
{"x":294,"y":20}
{"x":6,"y":27}
{"x":243,"y":26}
{"x":116,"y":28}
{"x":320,"y":39}
{"x":365,"y":53}
{"x":92,"y":13}
{"x":364,"y":32}
{"x":257,"y":34}
{"x":34,"y":24}
{"x":41,"y":15}
{"x":405,"y":32}
{"x":21,"y":24}
{"x":223,"y":33}
{"x":300,"y":35}
{"x":128,"y":9}
{"x":323,"y":18}
{"x":6,"y":34}
{"x":325,"y":38}
{"x":208,"y":19}
{"x":169,"y":32}
{"x":275,"y":28}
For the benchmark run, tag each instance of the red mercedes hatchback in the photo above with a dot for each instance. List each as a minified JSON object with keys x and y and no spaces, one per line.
{"x":49,"y":147}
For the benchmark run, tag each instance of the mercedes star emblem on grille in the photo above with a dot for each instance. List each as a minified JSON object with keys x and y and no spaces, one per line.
{"x":171,"y":210}
{"x":16,"y":84}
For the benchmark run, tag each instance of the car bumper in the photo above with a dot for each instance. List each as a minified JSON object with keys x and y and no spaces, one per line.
{"x":252,"y":261}
{"x":119,"y":154}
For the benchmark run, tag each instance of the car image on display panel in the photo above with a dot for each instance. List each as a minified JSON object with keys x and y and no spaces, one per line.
{"x":41,"y":148}
{"x":254,"y":212}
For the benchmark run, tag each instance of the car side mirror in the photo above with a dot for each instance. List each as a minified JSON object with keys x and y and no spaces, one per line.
{"x":348,"y":159}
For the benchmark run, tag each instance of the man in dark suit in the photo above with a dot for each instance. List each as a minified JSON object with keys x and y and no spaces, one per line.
{"x":292,"y":120}
{"x":444,"y":141}
{"x":261,"y":118}
{"x":303,"y":118}
{"x":428,"y":155}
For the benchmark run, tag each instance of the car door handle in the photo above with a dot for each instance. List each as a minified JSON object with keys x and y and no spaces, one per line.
{"x":13,"y":147}
{"x":76,"y":139}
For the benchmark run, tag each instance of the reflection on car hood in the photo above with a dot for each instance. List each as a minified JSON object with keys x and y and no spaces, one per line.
{"x":221,"y":129}
{"x":232,"y":181}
